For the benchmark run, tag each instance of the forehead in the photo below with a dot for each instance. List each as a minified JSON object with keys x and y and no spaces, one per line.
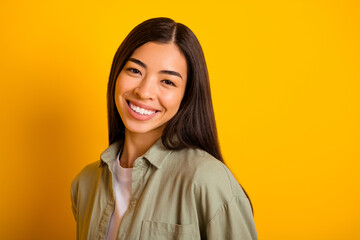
{"x":164,"y":56}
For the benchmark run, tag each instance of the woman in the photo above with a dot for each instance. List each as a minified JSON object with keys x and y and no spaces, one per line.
{"x":162,"y":176}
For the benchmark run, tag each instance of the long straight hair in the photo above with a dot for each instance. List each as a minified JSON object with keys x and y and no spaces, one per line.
{"x":194,"y":124}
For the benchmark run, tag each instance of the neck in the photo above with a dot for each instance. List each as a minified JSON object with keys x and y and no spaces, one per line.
{"x":135,"y":145}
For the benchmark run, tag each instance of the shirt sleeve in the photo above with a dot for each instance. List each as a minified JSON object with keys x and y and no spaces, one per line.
{"x":74,"y":194}
{"x":233,"y":220}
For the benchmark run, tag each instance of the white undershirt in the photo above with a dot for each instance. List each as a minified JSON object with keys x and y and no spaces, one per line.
{"x":122,"y":190}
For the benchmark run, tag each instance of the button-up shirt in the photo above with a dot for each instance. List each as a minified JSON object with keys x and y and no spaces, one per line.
{"x":175,"y":194}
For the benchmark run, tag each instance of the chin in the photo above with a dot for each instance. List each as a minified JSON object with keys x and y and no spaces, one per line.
{"x":137,"y":128}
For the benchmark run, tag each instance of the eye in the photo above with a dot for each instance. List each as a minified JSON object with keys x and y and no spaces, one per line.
{"x":168,"y":82}
{"x":134,"y":71}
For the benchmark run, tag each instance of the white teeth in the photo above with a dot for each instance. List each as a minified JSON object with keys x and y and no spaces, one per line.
{"x":141,"y":111}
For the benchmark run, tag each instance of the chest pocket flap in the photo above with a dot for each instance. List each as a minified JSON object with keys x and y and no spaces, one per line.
{"x":160,"y":231}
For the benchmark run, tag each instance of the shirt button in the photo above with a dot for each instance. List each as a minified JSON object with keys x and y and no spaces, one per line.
{"x":140,"y":162}
{"x":133,"y":203}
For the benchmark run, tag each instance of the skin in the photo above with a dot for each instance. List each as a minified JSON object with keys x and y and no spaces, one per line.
{"x":154,"y":78}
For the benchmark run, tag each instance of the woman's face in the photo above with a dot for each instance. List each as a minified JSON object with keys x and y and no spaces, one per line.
{"x":150,"y":87}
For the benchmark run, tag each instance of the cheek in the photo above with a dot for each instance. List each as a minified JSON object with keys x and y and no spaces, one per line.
{"x":124,"y":80}
{"x":122,"y":85}
{"x":172,"y":101}
{"x":120,"y":88}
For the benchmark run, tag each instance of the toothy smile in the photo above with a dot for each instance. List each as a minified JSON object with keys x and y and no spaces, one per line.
{"x":140,"y":110}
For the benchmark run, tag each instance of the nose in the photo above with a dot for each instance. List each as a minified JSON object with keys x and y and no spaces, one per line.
{"x":146,"y":88}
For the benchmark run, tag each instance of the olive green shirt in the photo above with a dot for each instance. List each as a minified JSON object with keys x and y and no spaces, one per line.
{"x":185,"y":194}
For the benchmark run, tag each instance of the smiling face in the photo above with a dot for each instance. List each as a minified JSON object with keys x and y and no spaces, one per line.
{"x":150,"y":87}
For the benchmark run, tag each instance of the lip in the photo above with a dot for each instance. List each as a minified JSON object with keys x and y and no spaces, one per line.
{"x":138,"y":116}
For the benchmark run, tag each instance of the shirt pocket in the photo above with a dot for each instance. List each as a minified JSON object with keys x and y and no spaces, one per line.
{"x":151,"y":230}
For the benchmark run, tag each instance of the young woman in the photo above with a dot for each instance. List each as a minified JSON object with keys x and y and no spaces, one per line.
{"x":162,"y":176}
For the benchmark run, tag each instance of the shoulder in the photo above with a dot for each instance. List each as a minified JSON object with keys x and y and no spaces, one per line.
{"x":215,"y":191}
{"x":207,"y":173}
{"x":86,"y":176}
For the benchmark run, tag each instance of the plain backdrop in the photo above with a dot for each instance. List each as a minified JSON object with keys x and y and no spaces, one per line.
{"x":285,"y":81}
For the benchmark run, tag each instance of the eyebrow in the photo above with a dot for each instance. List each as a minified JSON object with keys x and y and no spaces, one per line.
{"x":134,"y":60}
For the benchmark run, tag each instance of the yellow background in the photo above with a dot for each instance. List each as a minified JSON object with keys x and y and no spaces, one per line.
{"x":286,"y":89}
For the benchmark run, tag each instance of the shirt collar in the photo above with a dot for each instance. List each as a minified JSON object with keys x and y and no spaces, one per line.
{"x":156,"y":154}
{"x":109,"y":155}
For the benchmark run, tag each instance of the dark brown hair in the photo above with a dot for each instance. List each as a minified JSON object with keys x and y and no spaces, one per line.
{"x":194,"y":123}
